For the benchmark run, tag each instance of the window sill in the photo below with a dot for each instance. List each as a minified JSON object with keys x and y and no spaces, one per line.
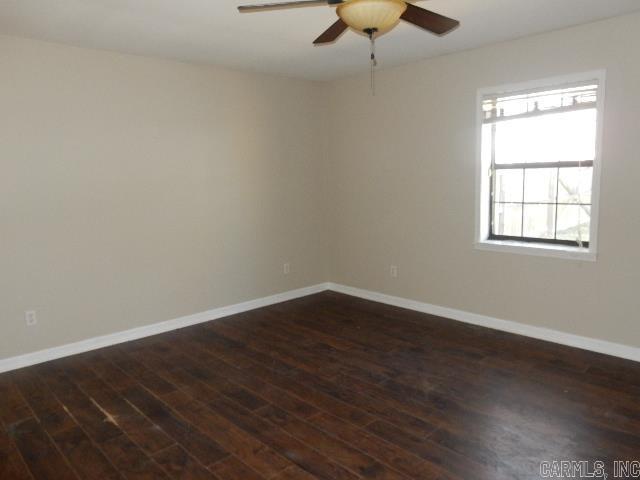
{"x":538,"y":249}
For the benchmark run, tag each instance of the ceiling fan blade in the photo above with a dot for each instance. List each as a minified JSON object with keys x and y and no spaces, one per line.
{"x":429,"y":20}
{"x":332,"y":33}
{"x":278,"y":6}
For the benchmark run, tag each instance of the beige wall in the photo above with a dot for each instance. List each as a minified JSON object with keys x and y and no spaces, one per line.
{"x":135,"y":190}
{"x":402,"y":186}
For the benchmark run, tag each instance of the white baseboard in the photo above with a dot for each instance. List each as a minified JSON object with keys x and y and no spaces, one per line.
{"x":585,"y":343}
{"x":540,"y":333}
{"x":94,"y":343}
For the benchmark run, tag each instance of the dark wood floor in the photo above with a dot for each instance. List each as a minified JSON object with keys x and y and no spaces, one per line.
{"x":324,"y":387}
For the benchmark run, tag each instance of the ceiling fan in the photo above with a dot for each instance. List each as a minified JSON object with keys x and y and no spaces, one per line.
{"x":371,"y":17}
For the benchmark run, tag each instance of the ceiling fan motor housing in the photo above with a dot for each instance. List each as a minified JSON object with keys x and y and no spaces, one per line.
{"x":371,"y":15}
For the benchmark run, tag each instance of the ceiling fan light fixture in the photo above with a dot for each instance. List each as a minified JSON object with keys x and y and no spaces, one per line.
{"x":371,"y":15}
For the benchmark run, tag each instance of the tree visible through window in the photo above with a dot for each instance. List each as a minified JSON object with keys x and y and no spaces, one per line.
{"x":542,"y":147}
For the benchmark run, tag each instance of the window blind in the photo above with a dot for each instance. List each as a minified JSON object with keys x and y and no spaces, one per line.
{"x":496,"y":108}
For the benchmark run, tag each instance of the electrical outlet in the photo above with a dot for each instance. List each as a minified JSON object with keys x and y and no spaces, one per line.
{"x":30,"y":318}
{"x":393,"y":271}
{"x":286,"y":268}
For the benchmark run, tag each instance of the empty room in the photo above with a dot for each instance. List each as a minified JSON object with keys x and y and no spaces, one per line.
{"x":319,"y":239}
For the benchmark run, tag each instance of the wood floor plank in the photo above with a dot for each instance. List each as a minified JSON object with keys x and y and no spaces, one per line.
{"x":77,"y":404}
{"x":415,"y":416}
{"x":85,"y":458}
{"x":314,"y":396}
{"x":115,"y":408}
{"x":13,"y":406}
{"x":48,"y":410}
{"x":273,"y":395}
{"x":204,"y":448}
{"x":251,"y":383}
{"x":235,"y":392}
{"x":244,"y":446}
{"x":40,"y":454}
{"x":294,"y":473}
{"x":110,"y":374}
{"x":446,"y":459}
{"x":322,"y":387}
{"x":297,"y":452}
{"x":233,"y":469}
{"x":346,"y":455}
{"x":145,"y":377}
{"x":12,"y":465}
{"x":276,"y":348}
{"x":131,"y":461}
{"x":388,"y":453}
{"x":182,"y":466}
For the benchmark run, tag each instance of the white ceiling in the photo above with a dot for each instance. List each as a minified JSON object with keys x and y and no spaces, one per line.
{"x":280,"y":42}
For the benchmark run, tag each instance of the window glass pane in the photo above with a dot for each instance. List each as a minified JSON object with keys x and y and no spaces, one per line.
{"x":507,"y":219}
{"x":540,"y":185}
{"x":486,"y":144}
{"x":508,"y":186}
{"x":555,"y":137}
{"x":539,"y":221}
{"x":573,"y":222}
{"x":575,"y":185}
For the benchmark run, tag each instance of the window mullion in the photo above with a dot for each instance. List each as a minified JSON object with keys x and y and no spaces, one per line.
{"x":555,"y":227}
{"x":524,"y":178}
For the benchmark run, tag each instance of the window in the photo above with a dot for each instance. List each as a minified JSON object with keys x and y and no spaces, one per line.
{"x":539,"y":165}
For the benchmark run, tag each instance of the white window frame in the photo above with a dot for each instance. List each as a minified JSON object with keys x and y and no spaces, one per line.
{"x":483,"y":179}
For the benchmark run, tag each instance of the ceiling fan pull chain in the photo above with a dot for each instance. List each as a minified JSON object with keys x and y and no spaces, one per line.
{"x":374,"y":61}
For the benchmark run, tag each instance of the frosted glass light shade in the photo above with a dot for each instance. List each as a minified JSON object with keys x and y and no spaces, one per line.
{"x":381,"y":15}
